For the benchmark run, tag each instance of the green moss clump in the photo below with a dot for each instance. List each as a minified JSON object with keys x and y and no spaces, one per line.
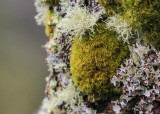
{"x":154,"y":39}
{"x":111,"y":6}
{"x":52,"y":2}
{"x":141,"y":15}
{"x":95,"y":60}
{"x":138,"y":13}
{"x":144,"y":16}
{"x":48,"y":20}
{"x":48,"y":23}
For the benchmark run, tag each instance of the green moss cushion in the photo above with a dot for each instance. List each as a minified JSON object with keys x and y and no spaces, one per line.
{"x":141,"y":15}
{"x":111,"y":6}
{"x":52,"y":2}
{"x":95,"y":60}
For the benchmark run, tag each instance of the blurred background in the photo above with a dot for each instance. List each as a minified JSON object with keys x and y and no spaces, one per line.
{"x":22,"y":60}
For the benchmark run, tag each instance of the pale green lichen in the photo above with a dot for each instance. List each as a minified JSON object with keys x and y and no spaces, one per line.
{"x":69,"y":96}
{"x":77,"y":20}
{"x":42,"y":12}
{"x":118,"y":24}
{"x":53,"y":84}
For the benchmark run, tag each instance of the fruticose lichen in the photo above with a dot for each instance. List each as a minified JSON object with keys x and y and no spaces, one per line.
{"x":118,"y":24}
{"x":77,"y":20}
{"x":42,"y":12}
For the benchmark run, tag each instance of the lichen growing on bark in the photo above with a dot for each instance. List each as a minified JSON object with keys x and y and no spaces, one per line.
{"x":103,"y":56}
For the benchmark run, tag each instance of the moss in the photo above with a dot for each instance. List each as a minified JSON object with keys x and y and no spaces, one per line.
{"x":138,"y":13}
{"x":141,"y":15}
{"x":95,"y":60}
{"x":135,"y":12}
{"x":144,"y":15}
{"x":48,"y":23}
{"x":52,"y":2}
{"x":111,"y":6}
{"x":154,"y":39}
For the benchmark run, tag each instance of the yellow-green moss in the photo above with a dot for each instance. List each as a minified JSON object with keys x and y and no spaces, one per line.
{"x":94,"y":60}
{"x":48,"y":21}
{"x":141,"y":15}
{"x":135,"y":12}
{"x":154,"y":39}
{"x":52,"y":2}
{"x":140,"y":12}
{"x":144,"y":15}
{"x":111,"y":6}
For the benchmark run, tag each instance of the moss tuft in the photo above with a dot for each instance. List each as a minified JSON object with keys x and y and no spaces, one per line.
{"x":154,"y":39}
{"x":49,"y":26}
{"x":144,"y":15}
{"x":138,"y":13}
{"x":111,"y":6}
{"x":52,"y":2}
{"x":95,"y":60}
{"x":141,"y":15}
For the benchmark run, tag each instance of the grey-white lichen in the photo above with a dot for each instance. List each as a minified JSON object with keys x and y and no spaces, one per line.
{"x":142,"y":79}
{"x":42,"y":12}
{"x":118,"y":24}
{"x":55,"y":61}
{"x":78,"y":19}
{"x":69,"y":96}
